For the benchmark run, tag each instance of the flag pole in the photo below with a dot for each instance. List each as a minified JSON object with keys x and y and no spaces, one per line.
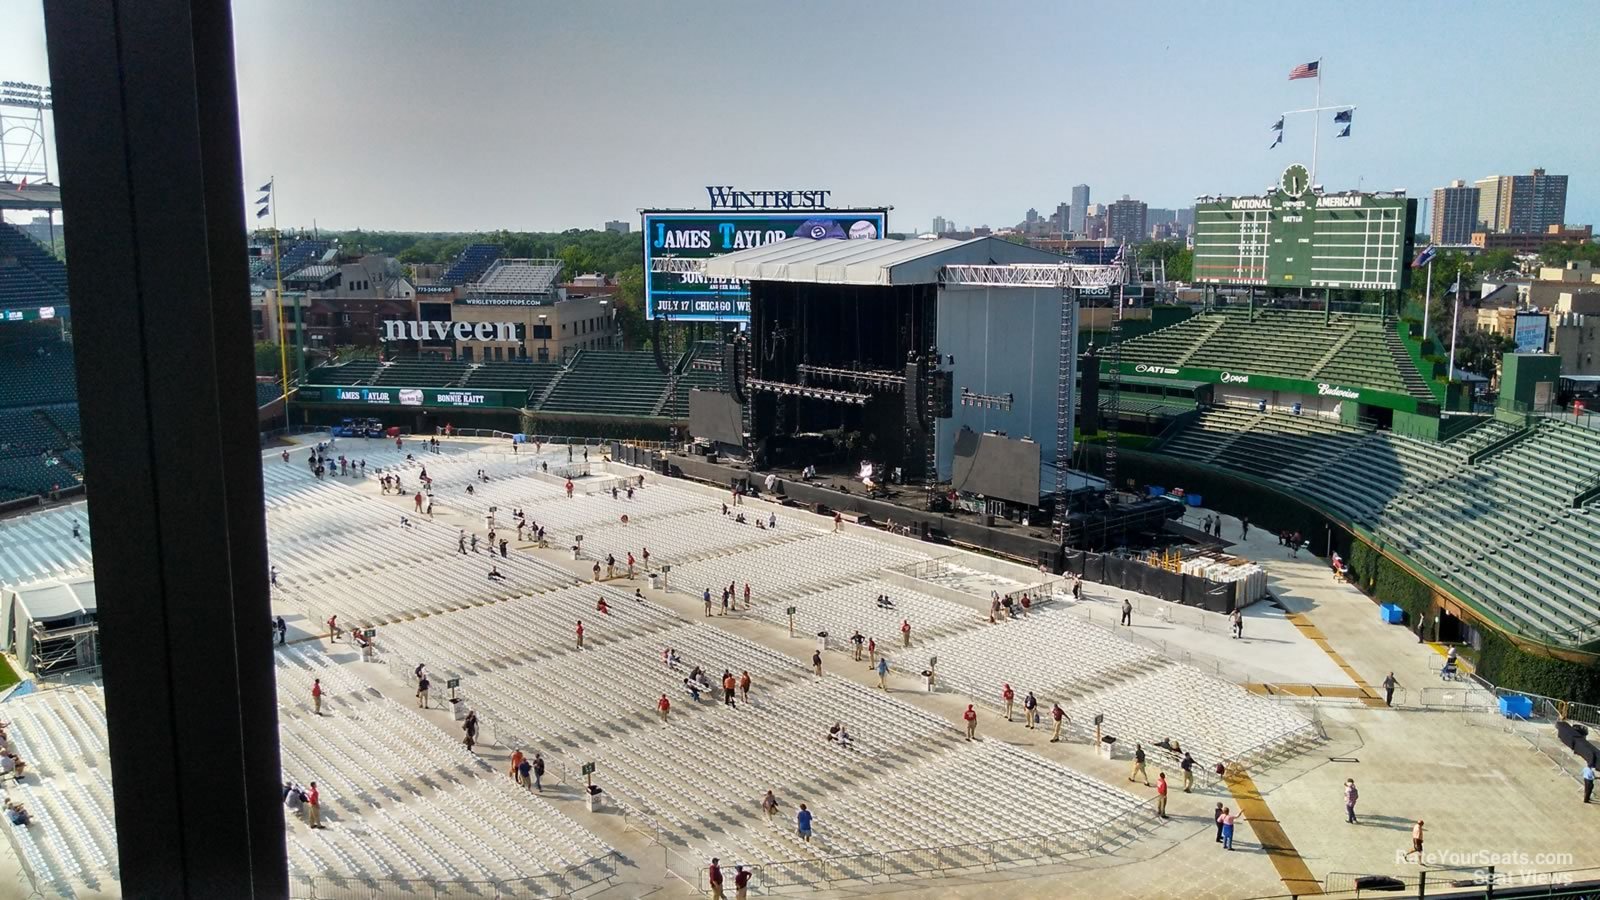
{"x":277,"y":266}
{"x":1427,"y":301}
{"x":1455,"y":320}
{"x":1316,"y":129}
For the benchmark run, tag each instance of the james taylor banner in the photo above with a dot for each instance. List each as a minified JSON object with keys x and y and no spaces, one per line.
{"x":682,"y":297}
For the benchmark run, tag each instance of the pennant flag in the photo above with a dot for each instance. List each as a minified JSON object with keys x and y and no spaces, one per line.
{"x":1278,"y":125}
{"x":1456,"y":288}
{"x":261,"y":212}
{"x":1343,"y":115}
{"x":1305,"y":70}
{"x":1425,"y":257}
{"x":264,"y":200}
{"x":1276,"y":141}
{"x":265,"y":188}
{"x":1344,"y":133}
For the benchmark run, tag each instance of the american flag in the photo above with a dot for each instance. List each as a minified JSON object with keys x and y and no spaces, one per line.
{"x":1306,"y":70}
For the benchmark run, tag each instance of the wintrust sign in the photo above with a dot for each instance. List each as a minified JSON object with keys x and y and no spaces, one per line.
{"x":483,"y":332}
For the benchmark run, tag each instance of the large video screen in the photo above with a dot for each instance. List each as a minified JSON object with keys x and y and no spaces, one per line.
{"x":687,"y":297}
{"x":1297,"y":237}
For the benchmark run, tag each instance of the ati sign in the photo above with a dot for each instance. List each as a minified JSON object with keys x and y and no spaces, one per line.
{"x":477,"y":332}
{"x":724,"y":196}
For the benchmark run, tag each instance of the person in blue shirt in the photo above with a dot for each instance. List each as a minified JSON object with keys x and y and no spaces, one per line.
{"x":803,"y":820}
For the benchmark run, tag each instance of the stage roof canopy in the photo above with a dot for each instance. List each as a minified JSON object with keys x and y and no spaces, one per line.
{"x":883,"y":263}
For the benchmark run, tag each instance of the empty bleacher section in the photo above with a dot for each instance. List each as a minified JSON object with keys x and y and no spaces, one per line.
{"x":35,"y":371}
{"x":299,"y":254}
{"x":608,"y":383}
{"x":356,"y":371}
{"x":1503,"y":531}
{"x":1344,"y":349}
{"x":470,"y":264}
{"x":519,"y":375}
{"x":30,"y":277}
{"x":421,"y":372}
{"x":40,"y":544}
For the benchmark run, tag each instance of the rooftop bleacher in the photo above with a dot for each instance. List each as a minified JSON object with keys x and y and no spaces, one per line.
{"x":470,"y":264}
{"x":1345,"y":349}
{"x":1502,"y":532}
{"x":606,"y":382}
{"x":519,"y":276}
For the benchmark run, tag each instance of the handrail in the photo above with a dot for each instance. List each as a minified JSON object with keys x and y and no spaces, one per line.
{"x":1496,"y":446}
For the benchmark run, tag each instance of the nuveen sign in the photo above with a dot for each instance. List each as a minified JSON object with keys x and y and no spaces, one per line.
{"x":399,"y":330}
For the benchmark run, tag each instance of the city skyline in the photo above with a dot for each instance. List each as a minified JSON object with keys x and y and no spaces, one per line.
{"x":488,"y":143}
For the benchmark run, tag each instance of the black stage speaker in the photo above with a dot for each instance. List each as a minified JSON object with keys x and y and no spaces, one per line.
{"x":942,"y":384}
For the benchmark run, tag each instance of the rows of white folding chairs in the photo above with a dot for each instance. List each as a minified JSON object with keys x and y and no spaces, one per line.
{"x":298,"y":668}
{"x":786,"y":570}
{"x":1211,"y":718}
{"x":62,"y":736}
{"x":1048,"y":651}
{"x":378,"y":765}
{"x":41,"y":545}
{"x":535,"y":626}
{"x":611,"y":689}
{"x":843,"y":610}
{"x":964,"y":578}
{"x":60,"y":730}
{"x":674,"y":539}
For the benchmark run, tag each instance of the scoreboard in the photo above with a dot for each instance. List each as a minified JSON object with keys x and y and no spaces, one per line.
{"x":1297,"y":237}
{"x":688,"y":297}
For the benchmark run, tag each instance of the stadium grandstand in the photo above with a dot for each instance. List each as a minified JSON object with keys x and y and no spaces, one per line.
{"x":39,"y":434}
{"x":472,"y":263}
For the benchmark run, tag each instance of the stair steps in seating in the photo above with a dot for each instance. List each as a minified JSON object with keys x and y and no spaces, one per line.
{"x":1415,"y":385}
{"x":1340,"y":344}
{"x":1213,"y":327}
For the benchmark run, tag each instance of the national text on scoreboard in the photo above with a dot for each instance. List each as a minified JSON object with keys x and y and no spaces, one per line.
{"x":693,"y":234}
{"x":1295,"y":236}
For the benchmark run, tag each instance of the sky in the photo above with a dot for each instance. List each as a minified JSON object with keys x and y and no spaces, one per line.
{"x":457,"y":116}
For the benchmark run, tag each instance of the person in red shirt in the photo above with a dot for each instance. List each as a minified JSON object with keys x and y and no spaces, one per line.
{"x":580,"y":634}
{"x":741,"y":883}
{"x":314,"y":807}
{"x":714,"y":875}
{"x":872,"y":653}
{"x":333,"y":628}
{"x":418,"y":500}
{"x":646,"y":553}
{"x":1008,"y":695}
{"x":838,"y":520}
{"x":630,"y":563}
{"x":1161,"y":794}
{"x":971,"y":715}
{"x":663,"y":706}
{"x":569,"y":488}
{"x":744,"y":685}
{"x":747,"y":595}
{"x":602,"y":608}
{"x":316,"y":696}
{"x":905,"y":632}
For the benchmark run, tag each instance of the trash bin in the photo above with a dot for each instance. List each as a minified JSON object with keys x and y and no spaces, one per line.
{"x":655,"y":581}
{"x":1108,"y":744}
{"x":1391,"y":614}
{"x":1516,"y":705}
{"x":593,"y":798}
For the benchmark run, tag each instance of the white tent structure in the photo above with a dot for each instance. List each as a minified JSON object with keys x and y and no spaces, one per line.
{"x":50,"y":625}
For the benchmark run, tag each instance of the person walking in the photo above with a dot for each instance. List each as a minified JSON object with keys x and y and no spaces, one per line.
{"x":971,"y":716}
{"x":282,"y":629}
{"x":1244,"y":527}
{"x":1008,"y":695}
{"x":538,"y":772}
{"x":1138,"y":765}
{"x":747,"y":595}
{"x":1389,"y":684}
{"x":741,"y":883}
{"x":1588,"y":781}
{"x":422,"y":690}
{"x":1350,"y":797}
{"x":580,"y":634}
{"x":1030,"y":709}
{"x":1187,"y":765}
{"x":1060,"y":715}
{"x":905,"y":632}
{"x":744,"y":686}
{"x":333,"y":629}
{"x":802,"y":821}
{"x":316,"y":696}
{"x":1238,"y":623}
{"x":838,"y":522}
{"x":714,"y":876}
{"x":1416,"y":843}
{"x":883,"y":672}
{"x":729,"y":685}
{"x":517,"y":758}
{"x":1216,"y":816}
{"x":816,"y":661}
{"x":663,"y":706}
{"x":769,"y":806}
{"x":707,"y":597}
{"x":1161,"y":794}
{"x":872,"y":653}
{"x":1127,"y":612}
{"x":469,"y":728}
{"x":314,"y":807}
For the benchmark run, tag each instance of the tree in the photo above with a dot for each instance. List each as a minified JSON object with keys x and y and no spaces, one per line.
{"x":1561,"y":254}
{"x":268,"y":358}
{"x":1173,"y":256}
{"x":630,"y":307}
